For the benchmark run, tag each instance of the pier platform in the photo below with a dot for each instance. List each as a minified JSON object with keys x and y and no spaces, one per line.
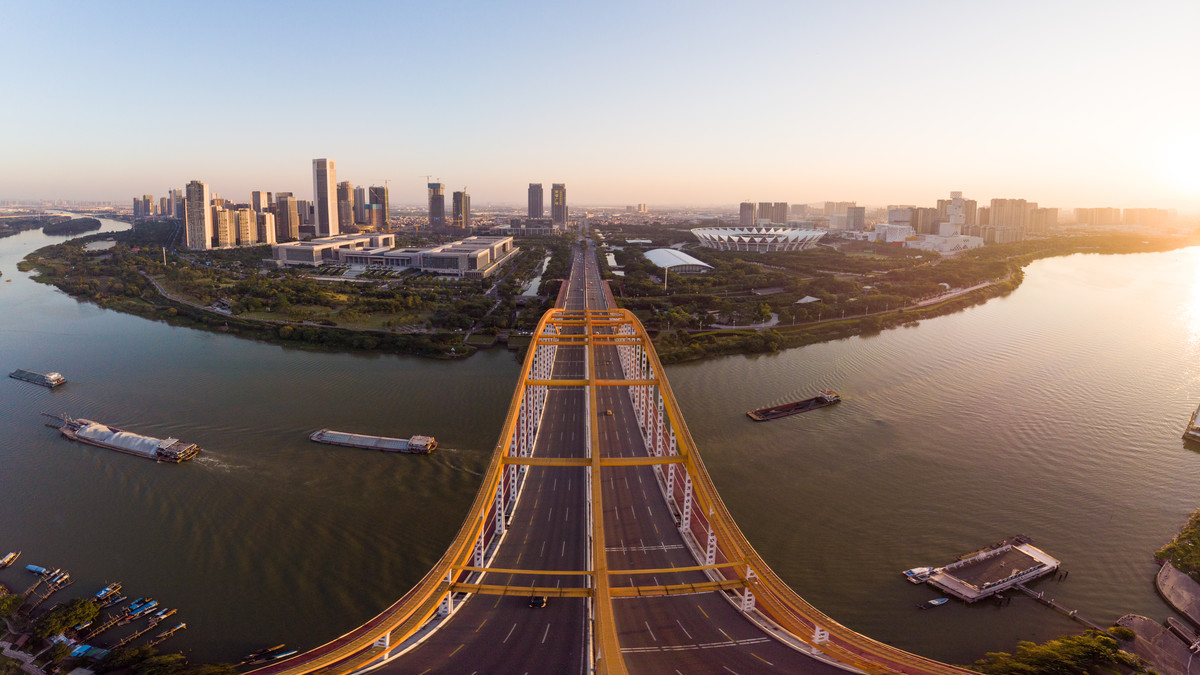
{"x":991,"y":570}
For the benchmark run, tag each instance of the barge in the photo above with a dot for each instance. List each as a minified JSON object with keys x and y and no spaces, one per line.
{"x":416,"y":445}
{"x":50,"y":380}
{"x":825,"y":398}
{"x":103,"y":436}
{"x":1192,"y":432}
{"x":993,"y":569}
{"x":9,"y":559}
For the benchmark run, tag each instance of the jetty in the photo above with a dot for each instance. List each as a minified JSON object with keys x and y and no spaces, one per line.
{"x":993,"y":569}
{"x":417,"y":445}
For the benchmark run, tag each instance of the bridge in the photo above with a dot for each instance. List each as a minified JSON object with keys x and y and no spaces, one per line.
{"x":597,"y":542}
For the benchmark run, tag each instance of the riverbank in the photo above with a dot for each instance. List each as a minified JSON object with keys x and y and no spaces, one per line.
{"x":687,"y":344}
{"x":221,"y":292}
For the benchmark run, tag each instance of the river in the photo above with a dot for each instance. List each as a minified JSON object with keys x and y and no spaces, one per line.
{"x":1054,"y":412}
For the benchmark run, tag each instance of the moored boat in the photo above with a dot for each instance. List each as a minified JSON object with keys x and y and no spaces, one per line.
{"x":825,"y":398}
{"x":936,"y":602}
{"x":9,"y":559}
{"x":918,"y":574}
{"x":1192,"y":432}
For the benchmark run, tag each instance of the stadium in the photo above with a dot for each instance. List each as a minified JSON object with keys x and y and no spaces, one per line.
{"x":757,"y":239}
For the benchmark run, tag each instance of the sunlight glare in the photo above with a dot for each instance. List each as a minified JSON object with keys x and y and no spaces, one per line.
{"x":1181,"y":162}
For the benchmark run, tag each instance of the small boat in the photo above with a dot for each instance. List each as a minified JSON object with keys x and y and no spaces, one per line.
{"x":81,"y":626}
{"x":1192,"y":432}
{"x":825,"y":398}
{"x":107,"y":591}
{"x":38,"y":570}
{"x":260,"y":654}
{"x":936,"y":602}
{"x":9,"y":559}
{"x":918,"y":574}
{"x":274,"y":657}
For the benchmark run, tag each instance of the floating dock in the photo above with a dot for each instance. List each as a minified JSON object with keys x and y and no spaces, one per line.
{"x":417,"y":445}
{"x":990,"y":570}
{"x":50,"y":380}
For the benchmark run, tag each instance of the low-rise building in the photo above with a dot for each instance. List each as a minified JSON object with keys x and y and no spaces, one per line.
{"x":473,"y":256}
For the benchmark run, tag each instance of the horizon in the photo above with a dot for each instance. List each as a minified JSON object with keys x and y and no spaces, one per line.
{"x":625,"y":104}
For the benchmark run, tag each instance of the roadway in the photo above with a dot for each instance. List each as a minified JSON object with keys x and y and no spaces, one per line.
{"x":699,"y":633}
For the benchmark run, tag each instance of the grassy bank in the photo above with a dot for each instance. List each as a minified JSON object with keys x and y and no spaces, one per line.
{"x":1184,"y":550}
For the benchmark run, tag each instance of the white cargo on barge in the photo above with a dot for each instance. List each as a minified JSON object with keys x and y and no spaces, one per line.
{"x":101,"y":435}
{"x":417,"y":445}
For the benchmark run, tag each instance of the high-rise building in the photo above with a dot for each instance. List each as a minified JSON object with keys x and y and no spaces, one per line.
{"x":462,"y":210}
{"x":764,"y":210}
{"x":747,"y":214}
{"x":259,"y":201}
{"x":558,"y":203}
{"x":799,"y":210}
{"x":325,"y":205}
{"x":147,"y":205}
{"x":971,"y":211}
{"x":198,"y":230}
{"x":379,"y":195}
{"x":437,"y":206}
{"x":266,"y":227}
{"x":223,"y":225}
{"x":162,"y":206}
{"x":1041,"y":220}
{"x":856,"y":218}
{"x":360,"y":204}
{"x":245,"y":227}
{"x":137,"y":207}
{"x":535,"y":200}
{"x":287,"y":218}
{"x":1010,"y":213}
{"x":779,"y":212}
{"x":179,"y":199}
{"x":345,"y":197}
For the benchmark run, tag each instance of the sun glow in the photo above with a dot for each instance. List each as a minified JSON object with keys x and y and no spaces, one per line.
{"x":1181,"y":162}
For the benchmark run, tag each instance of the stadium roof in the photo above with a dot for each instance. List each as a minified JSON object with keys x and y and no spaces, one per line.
{"x":671,"y":258}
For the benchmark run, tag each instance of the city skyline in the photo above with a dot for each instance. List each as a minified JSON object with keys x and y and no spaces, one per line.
{"x":869,"y":102}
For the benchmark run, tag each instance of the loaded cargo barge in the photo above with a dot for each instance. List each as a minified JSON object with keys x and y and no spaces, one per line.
{"x":417,"y":445}
{"x":50,"y":380}
{"x":825,"y":398}
{"x":103,"y":436}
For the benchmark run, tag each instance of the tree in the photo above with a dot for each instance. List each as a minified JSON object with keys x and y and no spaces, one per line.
{"x":9,"y":604}
{"x":62,"y":617}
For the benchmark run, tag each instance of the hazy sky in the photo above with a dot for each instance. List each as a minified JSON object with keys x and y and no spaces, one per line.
{"x":1065,"y":103}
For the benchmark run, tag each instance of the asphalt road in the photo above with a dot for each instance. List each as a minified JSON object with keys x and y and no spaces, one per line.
{"x":699,"y":633}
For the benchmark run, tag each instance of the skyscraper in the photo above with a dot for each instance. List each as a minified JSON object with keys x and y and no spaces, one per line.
{"x":266,"y":228}
{"x":245,"y":227}
{"x":535,"y":200}
{"x":259,"y":201}
{"x":345,"y":197}
{"x":558,"y":203}
{"x":360,"y":204}
{"x":379,"y":195}
{"x":746,"y":214}
{"x":437,"y":206}
{"x":779,"y":212}
{"x":198,"y":231}
{"x":462,"y":210}
{"x":764,"y":211}
{"x":325,"y":206}
{"x":287,"y":218}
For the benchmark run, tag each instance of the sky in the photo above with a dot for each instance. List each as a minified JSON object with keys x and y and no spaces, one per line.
{"x":1070,"y":104}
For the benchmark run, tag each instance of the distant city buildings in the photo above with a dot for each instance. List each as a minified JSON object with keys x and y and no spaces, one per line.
{"x":746,"y":214}
{"x":378,"y":206}
{"x":345,"y":201}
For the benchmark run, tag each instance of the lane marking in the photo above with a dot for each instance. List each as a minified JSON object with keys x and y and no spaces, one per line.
{"x":545,"y":634}
{"x":685,"y":631}
{"x":726,"y":635}
{"x":647,"y":628}
{"x":481,"y":625}
{"x":456,"y":650}
{"x":761,"y":659}
{"x":702,"y":611}
{"x":730,"y":670}
{"x":510,"y":632}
